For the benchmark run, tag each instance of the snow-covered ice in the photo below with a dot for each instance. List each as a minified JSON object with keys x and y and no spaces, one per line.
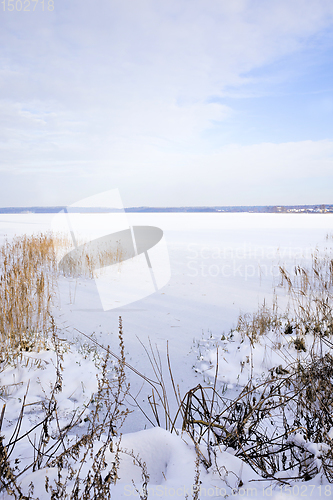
{"x":221,"y":265}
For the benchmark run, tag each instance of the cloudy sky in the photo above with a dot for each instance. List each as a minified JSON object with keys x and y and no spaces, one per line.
{"x":173,"y":102}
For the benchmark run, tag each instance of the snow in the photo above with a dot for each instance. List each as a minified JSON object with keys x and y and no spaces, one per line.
{"x":221,"y":265}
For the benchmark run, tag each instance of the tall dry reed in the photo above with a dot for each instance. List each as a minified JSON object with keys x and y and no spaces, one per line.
{"x":27,"y":279}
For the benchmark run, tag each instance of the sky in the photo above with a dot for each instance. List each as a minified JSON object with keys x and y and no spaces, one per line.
{"x":173,"y":102}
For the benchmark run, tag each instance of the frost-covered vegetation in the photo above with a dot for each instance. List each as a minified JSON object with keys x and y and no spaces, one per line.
{"x":260,"y":418}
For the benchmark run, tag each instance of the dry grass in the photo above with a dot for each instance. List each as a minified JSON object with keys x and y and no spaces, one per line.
{"x":311,"y":293}
{"x":309,"y":310}
{"x":259,"y":323}
{"x":85,"y":258}
{"x":27,"y":279}
{"x":282,"y":426}
{"x":270,"y":425}
{"x":28,"y":275}
{"x":70,"y":448}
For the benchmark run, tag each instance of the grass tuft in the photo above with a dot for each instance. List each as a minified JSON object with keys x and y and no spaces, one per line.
{"x":27,"y":279}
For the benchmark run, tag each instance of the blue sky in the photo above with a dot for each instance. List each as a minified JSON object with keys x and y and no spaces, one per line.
{"x":178,"y":102}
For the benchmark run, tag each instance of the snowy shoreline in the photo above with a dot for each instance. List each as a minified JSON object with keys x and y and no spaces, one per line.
{"x":220,"y":266}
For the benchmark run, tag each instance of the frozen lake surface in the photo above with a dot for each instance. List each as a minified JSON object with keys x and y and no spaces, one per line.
{"x":221,"y":265}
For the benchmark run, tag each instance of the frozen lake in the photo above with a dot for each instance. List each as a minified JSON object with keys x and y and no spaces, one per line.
{"x":221,"y":265}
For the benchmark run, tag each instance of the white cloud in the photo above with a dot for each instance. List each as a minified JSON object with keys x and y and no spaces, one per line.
{"x":121,"y":86}
{"x":287,"y":173}
{"x":270,"y":162}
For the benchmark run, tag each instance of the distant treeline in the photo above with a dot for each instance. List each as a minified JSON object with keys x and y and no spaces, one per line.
{"x":251,"y":209}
